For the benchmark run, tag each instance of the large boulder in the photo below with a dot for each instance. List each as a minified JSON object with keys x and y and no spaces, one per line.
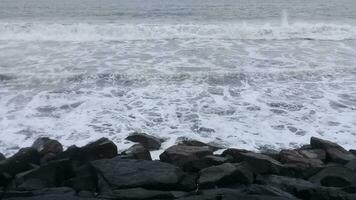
{"x":100,"y":149}
{"x":128,"y":173}
{"x":334,"y":152}
{"x":234,"y":154}
{"x":183,"y":156}
{"x":189,"y":142}
{"x":225,"y":175}
{"x":139,"y":194}
{"x":294,"y":156}
{"x":260,"y":163}
{"x":137,"y":151}
{"x":45,"y":145}
{"x":334,"y":176}
{"x":2,"y":157}
{"x":148,"y":141}
{"x":20,"y":162}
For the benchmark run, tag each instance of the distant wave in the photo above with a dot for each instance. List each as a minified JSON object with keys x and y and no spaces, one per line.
{"x":122,"y":32}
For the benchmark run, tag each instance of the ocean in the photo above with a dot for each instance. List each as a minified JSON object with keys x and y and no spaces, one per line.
{"x":250,"y":74}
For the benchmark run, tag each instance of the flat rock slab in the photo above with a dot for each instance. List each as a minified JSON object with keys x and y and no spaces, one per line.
{"x":148,"y":141}
{"x":129,"y":173}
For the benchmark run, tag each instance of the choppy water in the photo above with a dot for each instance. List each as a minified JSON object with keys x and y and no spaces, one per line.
{"x":241,"y":73}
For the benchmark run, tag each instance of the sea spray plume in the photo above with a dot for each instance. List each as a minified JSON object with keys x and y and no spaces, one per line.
{"x":284,"y":19}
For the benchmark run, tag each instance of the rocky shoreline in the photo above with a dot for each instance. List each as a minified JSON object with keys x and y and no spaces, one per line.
{"x":322,"y":170}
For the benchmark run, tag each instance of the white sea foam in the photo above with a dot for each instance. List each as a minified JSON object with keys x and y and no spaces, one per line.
{"x":41,"y":31}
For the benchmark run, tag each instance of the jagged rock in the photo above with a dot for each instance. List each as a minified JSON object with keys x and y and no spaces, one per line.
{"x":21,"y":161}
{"x":351,"y":165}
{"x":318,"y":154}
{"x":207,"y":161}
{"x":293,"y":156}
{"x":224,"y":175}
{"x":334,"y":152}
{"x":137,"y":151}
{"x":290,"y":185}
{"x":334,"y":176}
{"x":261,"y":164}
{"x":353,"y":151}
{"x":50,"y":175}
{"x":148,"y":141}
{"x":45,"y":145}
{"x":230,"y":194}
{"x":266,"y":190}
{"x":183,"y":156}
{"x":234,"y":154}
{"x":100,"y":149}
{"x":197,"y":143}
{"x":128,"y":173}
{"x":141,"y":194}
{"x":2,"y":157}
{"x":84,"y":178}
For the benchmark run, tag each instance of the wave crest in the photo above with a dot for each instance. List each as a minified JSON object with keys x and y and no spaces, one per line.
{"x":125,"y":32}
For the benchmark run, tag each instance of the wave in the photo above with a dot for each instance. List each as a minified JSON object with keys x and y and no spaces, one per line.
{"x":42,"y":31}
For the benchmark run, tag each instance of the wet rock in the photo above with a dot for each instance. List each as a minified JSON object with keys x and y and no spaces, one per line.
{"x":293,"y":156}
{"x":100,"y":149}
{"x":141,"y":194}
{"x":45,"y":145}
{"x":266,"y":190}
{"x":261,"y":164}
{"x":351,"y":165}
{"x":318,"y":154}
{"x":20,"y":162}
{"x":188,"y":181}
{"x":353,"y":151}
{"x":2,"y":157}
{"x":84,"y":178}
{"x":50,"y":175}
{"x":234,"y":154}
{"x":129,"y":173}
{"x":148,"y":141}
{"x":225,"y":175}
{"x":334,"y":176}
{"x":183,"y":156}
{"x":137,"y":151}
{"x":197,"y":143}
{"x":334,"y":152}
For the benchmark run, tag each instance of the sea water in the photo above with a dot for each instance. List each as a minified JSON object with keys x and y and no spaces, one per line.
{"x":240,"y":73}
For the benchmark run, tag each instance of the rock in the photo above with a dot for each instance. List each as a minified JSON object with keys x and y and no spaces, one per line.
{"x":197,"y":143}
{"x":224,"y":175}
{"x":207,"y":161}
{"x":137,"y":151}
{"x":334,"y":152}
{"x":86,"y":194}
{"x":129,"y":173}
{"x":188,"y":181}
{"x":351,"y":165}
{"x":290,"y":185}
{"x":2,"y":157}
{"x":141,"y":194}
{"x":234,"y":154}
{"x":100,"y":149}
{"x":293,"y":156}
{"x":50,"y":175}
{"x":266,"y":190}
{"x":183,"y":156}
{"x":13,"y":194}
{"x":84,"y":178}
{"x":149,"y":142}
{"x":261,"y":164}
{"x":353,"y":151}
{"x":230,"y":194}
{"x":334,"y":176}
{"x":45,"y":145}
{"x":318,"y":154}
{"x":21,"y":161}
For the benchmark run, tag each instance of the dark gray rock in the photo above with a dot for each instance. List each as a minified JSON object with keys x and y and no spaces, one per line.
{"x":20,"y":162}
{"x":148,"y":141}
{"x":84,"y":178}
{"x":141,"y":194}
{"x":229,"y":194}
{"x":128,"y":173}
{"x":50,"y":175}
{"x":353,"y":151}
{"x":100,"y":149}
{"x":45,"y":145}
{"x":207,"y":161}
{"x":183,"y":156}
{"x":196,"y":143}
{"x":137,"y":151}
{"x":234,"y":154}
{"x":266,"y":190}
{"x":334,"y":152}
{"x":293,"y":156}
{"x":334,"y":176}
{"x":351,"y":165}
{"x":260,"y":163}
{"x":318,"y":154}
{"x":2,"y":157}
{"x":225,"y":175}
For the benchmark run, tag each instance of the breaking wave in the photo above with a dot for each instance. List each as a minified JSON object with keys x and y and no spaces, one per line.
{"x":42,"y":31}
